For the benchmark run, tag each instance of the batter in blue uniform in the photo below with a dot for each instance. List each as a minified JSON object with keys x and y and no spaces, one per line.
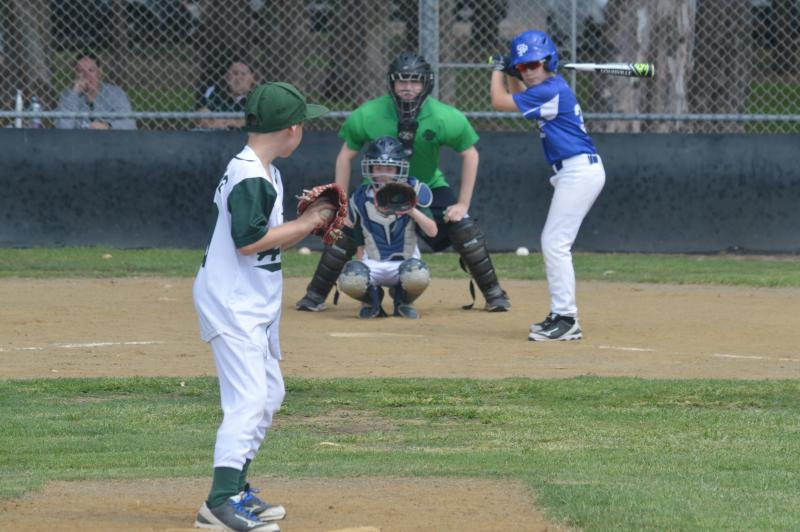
{"x":539,"y":93}
{"x":390,"y":256}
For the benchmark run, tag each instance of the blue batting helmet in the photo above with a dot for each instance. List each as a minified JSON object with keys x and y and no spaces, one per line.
{"x":534,"y":45}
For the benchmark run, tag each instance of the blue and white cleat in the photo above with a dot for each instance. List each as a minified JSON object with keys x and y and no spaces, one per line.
{"x":233,"y":517}
{"x":257,"y":506}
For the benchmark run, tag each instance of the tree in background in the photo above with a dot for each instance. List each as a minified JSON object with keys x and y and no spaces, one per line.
{"x":786,"y":17}
{"x":703,"y":52}
{"x":26,"y":57}
{"x":358,"y":51}
{"x":647,"y":31}
{"x":226,"y":33}
{"x":723,"y":63}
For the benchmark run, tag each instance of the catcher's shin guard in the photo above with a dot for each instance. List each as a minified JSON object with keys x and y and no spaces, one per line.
{"x":354,"y":280}
{"x":414,"y":279}
{"x":330,"y":266}
{"x":470,"y":243}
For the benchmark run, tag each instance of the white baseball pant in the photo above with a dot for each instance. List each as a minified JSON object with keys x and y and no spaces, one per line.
{"x":577,"y":184}
{"x":383,"y":273}
{"x":251,"y":392}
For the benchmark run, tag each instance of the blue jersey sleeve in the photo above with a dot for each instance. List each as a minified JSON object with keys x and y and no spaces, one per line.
{"x":538,"y":101}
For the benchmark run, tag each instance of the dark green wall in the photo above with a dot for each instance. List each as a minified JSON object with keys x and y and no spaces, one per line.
{"x":670,"y":193}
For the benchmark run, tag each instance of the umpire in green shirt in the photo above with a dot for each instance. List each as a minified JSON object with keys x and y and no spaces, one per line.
{"x":424,"y":125}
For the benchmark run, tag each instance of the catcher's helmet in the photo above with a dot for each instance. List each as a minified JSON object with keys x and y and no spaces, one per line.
{"x":409,"y":66}
{"x":534,"y":45}
{"x":385,"y":151}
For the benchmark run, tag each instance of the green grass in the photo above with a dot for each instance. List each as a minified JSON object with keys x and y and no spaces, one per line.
{"x":601,"y":454}
{"x":680,"y":269}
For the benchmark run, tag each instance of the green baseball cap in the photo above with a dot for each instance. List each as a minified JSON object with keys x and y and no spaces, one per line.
{"x":275,"y":106}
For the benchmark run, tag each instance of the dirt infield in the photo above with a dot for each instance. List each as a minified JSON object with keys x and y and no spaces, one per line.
{"x":125,"y":327}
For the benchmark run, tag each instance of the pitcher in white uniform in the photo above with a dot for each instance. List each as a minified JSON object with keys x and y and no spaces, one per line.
{"x":237,"y":295}
{"x":539,"y":93}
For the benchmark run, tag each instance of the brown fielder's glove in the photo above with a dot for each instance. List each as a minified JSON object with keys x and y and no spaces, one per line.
{"x":393,"y":198}
{"x":331,"y":193}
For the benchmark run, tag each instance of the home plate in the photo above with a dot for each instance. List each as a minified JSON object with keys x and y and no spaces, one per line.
{"x":373,"y":335}
{"x":357,"y":529}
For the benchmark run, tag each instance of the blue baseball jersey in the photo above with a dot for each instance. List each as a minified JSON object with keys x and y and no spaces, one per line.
{"x":553,"y":104}
{"x":386,"y":237}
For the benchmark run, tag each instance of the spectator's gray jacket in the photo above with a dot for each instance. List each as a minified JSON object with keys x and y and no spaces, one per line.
{"x":110,"y":99}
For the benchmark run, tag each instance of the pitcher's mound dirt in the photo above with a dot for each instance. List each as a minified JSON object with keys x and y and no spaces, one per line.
{"x":363,"y":504}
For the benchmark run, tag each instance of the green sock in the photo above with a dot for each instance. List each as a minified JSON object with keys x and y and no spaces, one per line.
{"x":224,"y":485}
{"x":243,"y":476}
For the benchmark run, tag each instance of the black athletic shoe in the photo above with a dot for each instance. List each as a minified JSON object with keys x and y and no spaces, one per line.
{"x":498,"y":303}
{"x":406,"y":310}
{"x":401,"y":308}
{"x":373,"y":309}
{"x":545,"y":323}
{"x":311,"y":302}
{"x":563,"y":328}
{"x":232,"y":516}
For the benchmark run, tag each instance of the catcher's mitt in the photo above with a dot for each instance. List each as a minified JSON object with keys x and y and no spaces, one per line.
{"x":331,"y":193}
{"x":394,"y":198}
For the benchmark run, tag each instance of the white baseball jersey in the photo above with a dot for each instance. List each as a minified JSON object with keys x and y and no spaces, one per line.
{"x":240,"y":294}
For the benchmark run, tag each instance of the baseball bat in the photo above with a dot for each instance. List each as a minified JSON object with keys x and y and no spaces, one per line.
{"x":632,"y":70}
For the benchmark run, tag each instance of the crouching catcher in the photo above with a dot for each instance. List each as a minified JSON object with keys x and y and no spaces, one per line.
{"x":386,"y":214}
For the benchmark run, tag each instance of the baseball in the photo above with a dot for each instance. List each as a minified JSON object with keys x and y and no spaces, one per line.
{"x":522,"y":251}
{"x":304,"y":251}
{"x":327,"y":214}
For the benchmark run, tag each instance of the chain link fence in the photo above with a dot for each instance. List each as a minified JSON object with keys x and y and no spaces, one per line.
{"x":721,"y":65}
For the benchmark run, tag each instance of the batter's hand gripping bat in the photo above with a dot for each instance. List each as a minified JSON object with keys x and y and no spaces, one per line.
{"x":631,"y":70}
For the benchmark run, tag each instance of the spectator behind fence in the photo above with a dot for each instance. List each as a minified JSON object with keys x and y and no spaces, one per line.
{"x":239,"y":80}
{"x":90,"y":94}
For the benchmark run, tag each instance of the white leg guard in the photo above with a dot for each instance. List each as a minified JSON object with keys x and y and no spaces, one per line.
{"x":354,"y":279}
{"x":414,"y":278}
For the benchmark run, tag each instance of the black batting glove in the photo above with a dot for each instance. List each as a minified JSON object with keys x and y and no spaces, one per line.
{"x":502,"y":64}
{"x":510,"y":70}
{"x":497,"y":62}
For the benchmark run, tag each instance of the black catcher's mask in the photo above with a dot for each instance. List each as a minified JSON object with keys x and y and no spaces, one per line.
{"x":409,"y":66}
{"x":385,"y":151}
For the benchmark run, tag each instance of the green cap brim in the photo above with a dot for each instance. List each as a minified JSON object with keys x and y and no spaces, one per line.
{"x":314,"y":110}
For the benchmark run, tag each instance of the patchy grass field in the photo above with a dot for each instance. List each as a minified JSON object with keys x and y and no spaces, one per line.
{"x":601,"y":454}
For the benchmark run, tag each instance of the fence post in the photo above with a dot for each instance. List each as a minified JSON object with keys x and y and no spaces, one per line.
{"x":429,"y":37}
{"x":573,"y":42}
{"x":18,"y":107}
